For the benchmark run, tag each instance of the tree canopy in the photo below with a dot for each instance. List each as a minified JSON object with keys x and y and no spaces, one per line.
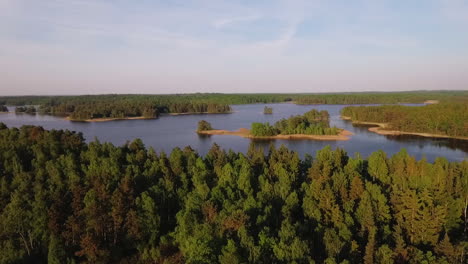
{"x":446,"y":119}
{"x":268,"y":110}
{"x":312,"y":122}
{"x":66,"y":201}
{"x":204,"y":125}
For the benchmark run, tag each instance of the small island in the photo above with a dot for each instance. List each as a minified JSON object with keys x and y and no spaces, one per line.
{"x":3,"y":109}
{"x":204,"y":125}
{"x":267,"y":110}
{"x":312,"y":125}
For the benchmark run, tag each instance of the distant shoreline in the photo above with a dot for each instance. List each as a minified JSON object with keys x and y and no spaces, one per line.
{"x":106,"y":119}
{"x":245,"y":133}
{"x":379,"y":128}
{"x":196,"y":113}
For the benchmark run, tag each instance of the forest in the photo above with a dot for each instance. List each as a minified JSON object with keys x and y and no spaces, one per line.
{"x":66,"y":201}
{"x":230,"y":99}
{"x":85,"y":107}
{"x":84,"y":110}
{"x":312,"y":122}
{"x":446,"y":118}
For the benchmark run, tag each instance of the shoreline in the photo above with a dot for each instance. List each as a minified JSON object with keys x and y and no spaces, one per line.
{"x":105,"y":119}
{"x":195,"y":113}
{"x":379,"y":128}
{"x":245,"y":133}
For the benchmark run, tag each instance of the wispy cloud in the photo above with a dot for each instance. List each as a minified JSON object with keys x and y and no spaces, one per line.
{"x":219,"y":23}
{"x":212,"y":44}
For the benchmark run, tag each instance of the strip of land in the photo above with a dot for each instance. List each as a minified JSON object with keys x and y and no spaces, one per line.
{"x":381,"y":129}
{"x":197,"y":113}
{"x":105,"y":119}
{"x":109,"y":119}
{"x":244,"y":132}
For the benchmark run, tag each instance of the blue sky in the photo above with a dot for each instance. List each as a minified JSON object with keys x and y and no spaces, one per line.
{"x":143,"y":46}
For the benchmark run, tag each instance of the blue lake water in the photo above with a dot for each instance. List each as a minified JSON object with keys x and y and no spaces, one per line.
{"x":168,"y":132}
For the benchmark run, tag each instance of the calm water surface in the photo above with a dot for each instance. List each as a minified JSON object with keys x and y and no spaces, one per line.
{"x":168,"y":132}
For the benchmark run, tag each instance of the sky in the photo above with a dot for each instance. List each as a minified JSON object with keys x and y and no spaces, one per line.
{"x":55,"y":47}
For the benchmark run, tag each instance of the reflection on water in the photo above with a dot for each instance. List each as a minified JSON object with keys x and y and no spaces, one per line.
{"x":455,"y":144}
{"x":168,"y":132}
{"x":452,"y":143}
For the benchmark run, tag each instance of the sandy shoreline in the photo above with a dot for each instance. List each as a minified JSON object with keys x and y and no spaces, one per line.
{"x":379,"y":128}
{"x":244,"y":132}
{"x":195,"y":113}
{"x":109,"y":119}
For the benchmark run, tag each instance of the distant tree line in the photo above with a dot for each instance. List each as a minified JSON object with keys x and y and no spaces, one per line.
{"x":447,"y":118}
{"x":229,"y":99}
{"x":66,"y":201}
{"x":312,"y":122}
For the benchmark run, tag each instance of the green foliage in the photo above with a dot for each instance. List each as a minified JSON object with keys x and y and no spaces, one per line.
{"x":320,"y":98}
{"x":204,"y":125}
{"x":311,"y":123}
{"x":66,"y":201}
{"x":25,"y":109}
{"x":263,"y":130}
{"x":446,"y":119}
{"x":268,"y":110}
{"x":3,"y":108}
{"x":150,"y":106}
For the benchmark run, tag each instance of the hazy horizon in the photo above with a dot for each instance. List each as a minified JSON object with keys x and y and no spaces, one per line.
{"x":75,"y":47}
{"x":239,"y":93}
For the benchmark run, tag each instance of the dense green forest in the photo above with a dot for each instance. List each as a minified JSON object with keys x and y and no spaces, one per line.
{"x":65,"y":201}
{"x":3,"y":108}
{"x":447,"y":119}
{"x":268,"y":110}
{"x":312,"y":122}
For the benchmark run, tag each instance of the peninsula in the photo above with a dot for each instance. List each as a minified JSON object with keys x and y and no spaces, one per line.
{"x":434,"y":120}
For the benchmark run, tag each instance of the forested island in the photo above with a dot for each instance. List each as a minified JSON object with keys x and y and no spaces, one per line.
{"x":3,"y":109}
{"x":312,"y":122}
{"x":66,"y":201}
{"x":204,"y":125}
{"x":267,"y":110}
{"x":127,"y":109}
{"x":312,"y":125}
{"x":434,"y":120}
{"x":133,"y":106}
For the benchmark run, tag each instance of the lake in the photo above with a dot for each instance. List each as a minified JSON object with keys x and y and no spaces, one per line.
{"x":168,"y":132}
